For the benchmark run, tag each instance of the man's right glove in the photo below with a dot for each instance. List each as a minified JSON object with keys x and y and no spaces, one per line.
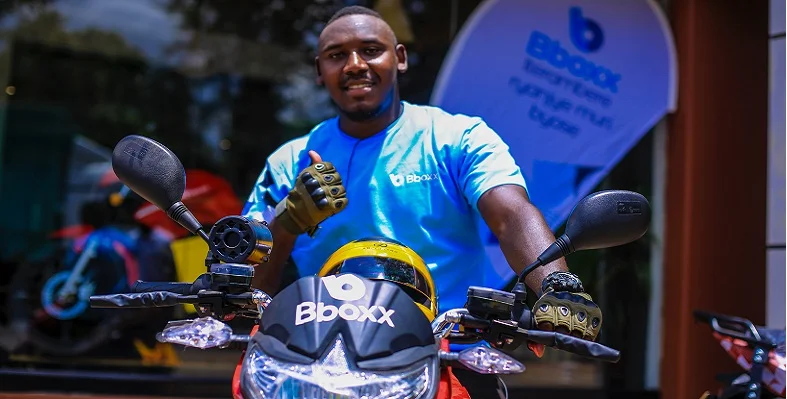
{"x":318,"y":195}
{"x":564,"y":306}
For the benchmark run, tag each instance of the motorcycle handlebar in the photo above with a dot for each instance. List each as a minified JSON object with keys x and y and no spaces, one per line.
{"x":565,"y":342}
{"x":509,"y":334}
{"x":154,"y":286}
{"x":158,"y":299}
{"x":161,"y":299}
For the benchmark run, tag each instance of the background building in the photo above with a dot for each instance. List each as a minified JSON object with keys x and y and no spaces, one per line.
{"x":224,"y":85}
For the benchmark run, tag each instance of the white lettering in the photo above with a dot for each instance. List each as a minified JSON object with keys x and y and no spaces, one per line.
{"x":353,"y":314}
{"x":399,"y":180}
{"x":367,"y":314}
{"x":322,"y":309}
{"x":320,"y":312}
{"x":386,"y":317}
{"x":304,"y":313}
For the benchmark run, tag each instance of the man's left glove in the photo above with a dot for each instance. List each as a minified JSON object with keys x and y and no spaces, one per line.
{"x":565,"y":307}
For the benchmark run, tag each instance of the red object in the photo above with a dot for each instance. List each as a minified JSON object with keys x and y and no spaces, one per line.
{"x":450,"y":387}
{"x":129,"y":261}
{"x":208,"y":196}
{"x":74,"y":231}
{"x":773,"y":376}
{"x":109,"y":177}
{"x":537,"y":349}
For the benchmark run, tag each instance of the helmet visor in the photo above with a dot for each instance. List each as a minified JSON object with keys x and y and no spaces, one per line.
{"x":393,"y":270}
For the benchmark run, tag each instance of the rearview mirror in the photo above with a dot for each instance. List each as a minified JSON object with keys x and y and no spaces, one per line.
{"x":603,"y":219}
{"x":154,"y":172}
{"x":607,"y":219}
{"x":149,"y":169}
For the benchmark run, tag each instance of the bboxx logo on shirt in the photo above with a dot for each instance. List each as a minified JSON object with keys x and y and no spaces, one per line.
{"x":400,"y":180}
{"x":346,"y":287}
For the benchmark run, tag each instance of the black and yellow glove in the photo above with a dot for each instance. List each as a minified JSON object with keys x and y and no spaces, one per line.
{"x":565,"y":307}
{"x":318,"y":195}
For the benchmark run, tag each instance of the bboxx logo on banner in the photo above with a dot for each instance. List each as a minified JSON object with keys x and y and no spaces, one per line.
{"x":587,"y":36}
{"x":581,"y":83}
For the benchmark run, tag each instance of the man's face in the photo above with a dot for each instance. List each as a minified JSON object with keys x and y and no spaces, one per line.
{"x":358,"y":60}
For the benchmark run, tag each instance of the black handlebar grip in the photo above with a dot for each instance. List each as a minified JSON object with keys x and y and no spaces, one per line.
{"x":578,"y":346}
{"x":155,"y":286}
{"x":159,"y":299}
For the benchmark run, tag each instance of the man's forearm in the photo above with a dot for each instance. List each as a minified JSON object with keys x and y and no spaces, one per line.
{"x":522,"y":238}
{"x":267,"y":276}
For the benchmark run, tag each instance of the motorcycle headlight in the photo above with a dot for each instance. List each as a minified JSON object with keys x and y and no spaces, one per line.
{"x":333,"y":377}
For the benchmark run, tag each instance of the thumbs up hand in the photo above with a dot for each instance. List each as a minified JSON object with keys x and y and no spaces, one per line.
{"x":318,"y":195}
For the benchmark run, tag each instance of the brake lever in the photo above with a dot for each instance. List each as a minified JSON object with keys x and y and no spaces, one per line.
{"x":507,"y":324}
{"x":577,"y":346}
{"x":506,"y":335}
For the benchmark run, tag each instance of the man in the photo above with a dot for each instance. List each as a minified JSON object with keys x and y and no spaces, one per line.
{"x":412,"y":173}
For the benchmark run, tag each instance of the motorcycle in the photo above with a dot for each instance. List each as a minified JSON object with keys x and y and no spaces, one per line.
{"x":48,"y":298}
{"x":343,"y":335}
{"x":758,"y":350}
{"x":47,"y":302}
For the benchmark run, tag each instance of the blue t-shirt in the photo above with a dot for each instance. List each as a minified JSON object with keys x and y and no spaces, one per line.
{"x":418,"y":182}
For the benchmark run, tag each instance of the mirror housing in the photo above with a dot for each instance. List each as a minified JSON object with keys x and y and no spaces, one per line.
{"x":603,"y":219}
{"x":154,"y":172}
{"x":608,"y":219}
{"x":149,"y":169}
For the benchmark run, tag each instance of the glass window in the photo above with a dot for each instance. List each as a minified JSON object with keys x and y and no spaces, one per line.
{"x":222,"y":84}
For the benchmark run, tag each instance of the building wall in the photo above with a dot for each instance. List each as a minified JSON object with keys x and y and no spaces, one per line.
{"x":716,"y":205}
{"x":775,"y":306}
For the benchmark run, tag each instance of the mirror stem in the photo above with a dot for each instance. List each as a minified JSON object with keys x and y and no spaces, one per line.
{"x":201,"y":232}
{"x":185,"y":218}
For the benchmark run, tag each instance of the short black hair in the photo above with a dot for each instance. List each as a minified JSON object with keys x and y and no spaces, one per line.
{"x":353,"y":10}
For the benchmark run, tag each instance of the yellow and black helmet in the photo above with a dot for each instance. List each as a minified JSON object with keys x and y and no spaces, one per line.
{"x":379,"y":258}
